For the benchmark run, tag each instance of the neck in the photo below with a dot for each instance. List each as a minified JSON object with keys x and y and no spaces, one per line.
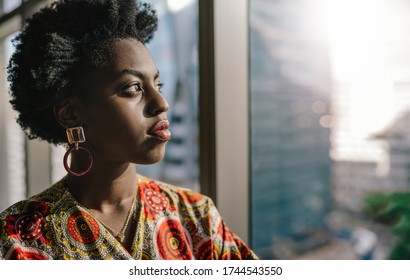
{"x":104,"y":184}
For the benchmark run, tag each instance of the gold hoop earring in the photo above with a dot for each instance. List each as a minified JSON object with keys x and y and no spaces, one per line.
{"x":75,"y":135}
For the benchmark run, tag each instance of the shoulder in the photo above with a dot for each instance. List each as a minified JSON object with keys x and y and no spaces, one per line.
{"x":38,"y":203}
{"x":23,"y":223}
{"x":184,"y":200}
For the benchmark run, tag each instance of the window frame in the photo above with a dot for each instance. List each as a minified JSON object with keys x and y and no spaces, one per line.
{"x":224,"y":109}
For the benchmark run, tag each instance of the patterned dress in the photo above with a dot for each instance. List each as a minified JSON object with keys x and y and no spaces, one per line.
{"x":169,"y":223}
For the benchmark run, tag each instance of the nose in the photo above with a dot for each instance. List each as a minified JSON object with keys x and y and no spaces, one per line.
{"x":156,"y":104}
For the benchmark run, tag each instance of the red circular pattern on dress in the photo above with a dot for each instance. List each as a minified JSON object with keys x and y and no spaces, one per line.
{"x":156,"y":201}
{"x":172,"y":241}
{"x":83,"y":228}
{"x":30,"y":227}
{"x":38,"y":206}
{"x":10,"y":226}
{"x":17,"y":225}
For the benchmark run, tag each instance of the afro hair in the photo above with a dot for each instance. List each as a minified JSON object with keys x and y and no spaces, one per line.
{"x":53,"y":46}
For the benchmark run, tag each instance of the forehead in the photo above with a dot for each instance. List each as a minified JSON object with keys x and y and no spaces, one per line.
{"x":130,"y":54}
{"x":120,"y":56}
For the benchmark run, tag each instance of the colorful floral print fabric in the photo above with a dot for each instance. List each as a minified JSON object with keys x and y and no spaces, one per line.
{"x":170,"y":223}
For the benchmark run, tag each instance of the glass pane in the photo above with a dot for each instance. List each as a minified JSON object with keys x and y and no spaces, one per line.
{"x":174,"y":49}
{"x":9,"y":5}
{"x":371,"y":104}
{"x":12,"y":145}
{"x":290,"y":120}
{"x":310,"y":188}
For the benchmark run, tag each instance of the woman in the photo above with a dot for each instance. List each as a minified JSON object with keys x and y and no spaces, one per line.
{"x":82,"y":76}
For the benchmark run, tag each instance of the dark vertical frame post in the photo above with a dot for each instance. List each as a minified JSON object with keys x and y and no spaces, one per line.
{"x":207,"y":142}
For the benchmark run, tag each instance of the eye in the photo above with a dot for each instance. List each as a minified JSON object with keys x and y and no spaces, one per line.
{"x":160,"y":86}
{"x":131,"y":90}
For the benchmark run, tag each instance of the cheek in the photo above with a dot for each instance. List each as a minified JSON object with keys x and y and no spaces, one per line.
{"x":116,"y":123}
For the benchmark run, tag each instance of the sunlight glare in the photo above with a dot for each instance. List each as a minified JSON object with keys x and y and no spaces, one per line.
{"x":359,"y":33}
{"x":177,"y":5}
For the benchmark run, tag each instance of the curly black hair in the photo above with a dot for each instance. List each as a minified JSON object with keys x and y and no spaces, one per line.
{"x":53,"y":47}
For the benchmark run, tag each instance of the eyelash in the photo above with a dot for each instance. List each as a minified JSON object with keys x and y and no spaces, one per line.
{"x":160,"y":86}
{"x":129,"y":92}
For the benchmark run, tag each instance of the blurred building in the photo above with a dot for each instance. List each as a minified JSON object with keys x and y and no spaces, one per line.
{"x":397,"y":140}
{"x":353,"y":181}
{"x":290,"y":121}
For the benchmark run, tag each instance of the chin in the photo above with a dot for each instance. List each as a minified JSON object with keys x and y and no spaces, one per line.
{"x":148,"y":162}
{"x":151,"y":158}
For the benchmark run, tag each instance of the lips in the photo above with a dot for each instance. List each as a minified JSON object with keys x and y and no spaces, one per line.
{"x":160,"y":131}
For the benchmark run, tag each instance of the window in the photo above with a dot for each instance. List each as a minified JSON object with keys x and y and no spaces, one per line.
{"x":12,"y":152}
{"x":329,"y":102}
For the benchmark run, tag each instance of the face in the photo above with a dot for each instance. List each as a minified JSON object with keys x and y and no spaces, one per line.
{"x":125,"y":118}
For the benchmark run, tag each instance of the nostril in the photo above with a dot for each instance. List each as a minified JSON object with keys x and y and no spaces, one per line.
{"x":162,"y":109}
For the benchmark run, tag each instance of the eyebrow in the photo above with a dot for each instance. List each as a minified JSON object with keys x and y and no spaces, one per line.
{"x":134,"y":73}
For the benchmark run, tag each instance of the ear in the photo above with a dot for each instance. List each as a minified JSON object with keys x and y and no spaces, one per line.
{"x":67,"y":113}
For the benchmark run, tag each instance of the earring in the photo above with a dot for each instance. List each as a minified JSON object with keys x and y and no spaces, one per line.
{"x":75,"y":135}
